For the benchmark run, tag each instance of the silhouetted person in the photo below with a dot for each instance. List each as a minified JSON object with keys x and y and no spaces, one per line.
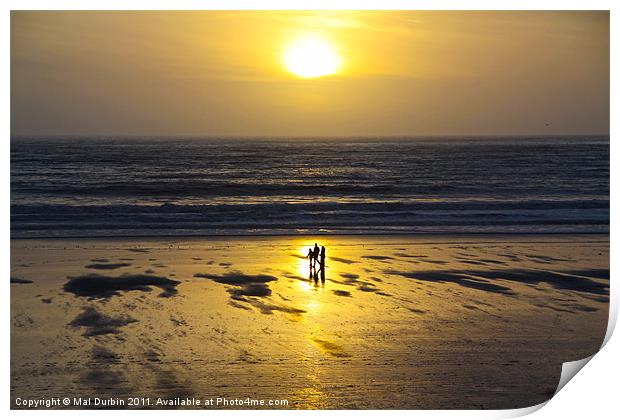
{"x":310,"y":257}
{"x":316,"y":252}
{"x":322,"y":263}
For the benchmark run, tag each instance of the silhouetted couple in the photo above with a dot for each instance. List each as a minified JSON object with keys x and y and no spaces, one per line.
{"x":317,"y":255}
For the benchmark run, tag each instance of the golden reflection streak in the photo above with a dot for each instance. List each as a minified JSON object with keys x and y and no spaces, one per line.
{"x":311,"y":396}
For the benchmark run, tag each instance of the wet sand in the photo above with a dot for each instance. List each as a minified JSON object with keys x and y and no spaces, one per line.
{"x":400,"y":322}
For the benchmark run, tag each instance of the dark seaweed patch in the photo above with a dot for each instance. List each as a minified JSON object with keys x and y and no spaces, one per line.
{"x":342,"y":293}
{"x":268,"y":308}
{"x":139,"y":250}
{"x":15,"y":280}
{"x":103,"y":354}
{"x":343,"y":260}
{"x":301,"y":257}
{"x":331,"y":349}
{"x":367,"y":288}
{"x":296,"y":277}
{"x":556,"y":280}
{"x":99,"y":286}
{"x":102,"y":378}
{"x":252,"y":289}
{"x":417,"y":311}
{"x":238,"y":305}
{"x":246,"y":285}
{"x":440,"y":262}
{"x":451,"y":277}
{"x":599,"y":274}
{"x":97,"y":323}
{"x":237,"y":278}
{"x":478,"y":279}
{"x":377,"y":257}
{"x":103,"y":266}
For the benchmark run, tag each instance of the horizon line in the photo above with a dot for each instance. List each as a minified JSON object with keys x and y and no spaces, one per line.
{"x":326,"y":136}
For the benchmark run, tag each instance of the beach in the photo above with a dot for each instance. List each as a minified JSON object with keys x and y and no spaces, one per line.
{"x":400,"y":322}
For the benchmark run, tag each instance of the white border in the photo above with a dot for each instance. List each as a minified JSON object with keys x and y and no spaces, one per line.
{"x":593,"y":395}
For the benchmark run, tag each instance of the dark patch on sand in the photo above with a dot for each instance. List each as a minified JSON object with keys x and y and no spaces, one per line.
{"x":486,"y":260}
{"x":295,"y":277}
{"x":301,"y":257}
{"x":196,"y":258}
{"x":410,"y":257}
{"x":149,"y":271}
{"x":238,"y":305}
{"x":554,"y":308}
{"x":367,"y":288}
{"x":225,"y":264}
{"x":139,"y":250}
{"x":267,"y":308}
{"x":97,"y":323}
{"x":170,"y":386}
{"x":546,"y":259}
{"x":47,"y":300}
{"x":342,"y":293}
{"x":353,"y":280}
{"x":440,"y":262}
{"x":343,"y":260}
{"x":15,"y":280}
{"x":252,"y":289}
{"x":478,"y":279}
{"x":511,"y":257}
{"x":111,"y":266}
{"x":103,"y":354}
{"x":98,"y":286}
{"x":452,"y":277}
{"x":602,"y":299}
{"x":22,"y":320}
{"x":237,"y":278}
{"x":417,"y":311}
{"x":102,"y":378}
{"x":246,"y":285}
{"x":556,"y":280}
{"x":329,"y":348}
{"x":599,"y":274}
{"x":580,"y":307}
{"x":377,"y":257}
{"x":178,"y":322}
{"x":152,"y":356}
{"x":470,"y":262}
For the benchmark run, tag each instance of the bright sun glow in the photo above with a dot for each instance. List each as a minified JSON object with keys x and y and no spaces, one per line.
{"x":312,"y":57}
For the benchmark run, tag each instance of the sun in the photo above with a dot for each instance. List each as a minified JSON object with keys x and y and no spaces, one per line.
{"x":312,"y":57}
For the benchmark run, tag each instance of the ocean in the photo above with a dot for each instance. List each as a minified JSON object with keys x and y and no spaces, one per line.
{"x":102,"y":187}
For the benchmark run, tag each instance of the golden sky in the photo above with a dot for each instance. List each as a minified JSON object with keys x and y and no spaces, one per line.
{"x":225,"y":73}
